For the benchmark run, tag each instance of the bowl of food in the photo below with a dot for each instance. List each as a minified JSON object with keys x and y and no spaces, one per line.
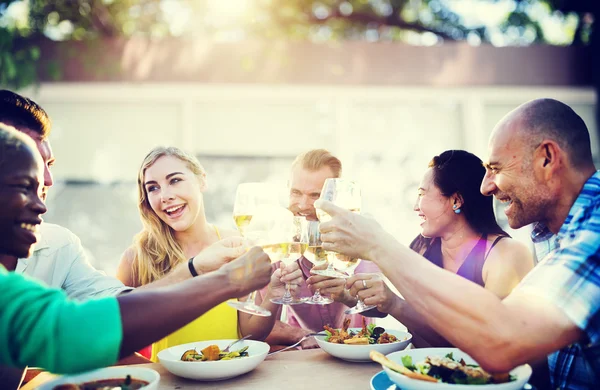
{"x":446,"y":369}
{"x":355,"y":344}
{"x":126,"y":378}
{"x":205,"y":360}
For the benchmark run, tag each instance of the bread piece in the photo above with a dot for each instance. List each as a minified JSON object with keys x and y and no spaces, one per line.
{"x":357,"y":341}
{"x":384,"y":361}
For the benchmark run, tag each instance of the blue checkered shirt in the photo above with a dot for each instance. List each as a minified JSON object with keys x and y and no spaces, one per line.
{"x":568,"y":275}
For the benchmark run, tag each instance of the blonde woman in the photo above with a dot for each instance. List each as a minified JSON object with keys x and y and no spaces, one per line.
{"x":175,"y":229}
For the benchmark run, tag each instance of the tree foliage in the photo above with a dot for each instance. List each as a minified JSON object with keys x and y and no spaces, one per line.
{"x":420,"y":22}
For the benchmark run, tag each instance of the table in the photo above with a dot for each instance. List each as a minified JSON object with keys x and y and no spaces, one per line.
{"x":286,"y":370}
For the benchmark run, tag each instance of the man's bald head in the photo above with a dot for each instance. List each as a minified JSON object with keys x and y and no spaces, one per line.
{"x":549,"y":119}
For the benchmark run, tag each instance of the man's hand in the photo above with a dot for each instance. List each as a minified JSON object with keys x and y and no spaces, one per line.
{"x":219,"y":253}
{"x":371,"y":288}
{"x":309,"y":343}
{"x":349,"y":233}
{"x":249,"y":272}
{"x":333,"y":287}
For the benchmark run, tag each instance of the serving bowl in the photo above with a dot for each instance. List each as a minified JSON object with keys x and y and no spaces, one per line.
{"x":521,"y":373}
{"x":170,"y":358}
{"x":360,"y":353}
{"x":141,"y":373}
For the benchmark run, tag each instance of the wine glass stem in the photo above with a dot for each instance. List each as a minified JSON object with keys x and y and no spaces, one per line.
{"x":288,"y":294}
{"x":252,"y":299}
{"x":317,"y":295}
{"x":360,"y":304}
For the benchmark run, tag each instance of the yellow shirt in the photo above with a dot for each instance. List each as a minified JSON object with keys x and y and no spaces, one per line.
{"x":221,"y":322}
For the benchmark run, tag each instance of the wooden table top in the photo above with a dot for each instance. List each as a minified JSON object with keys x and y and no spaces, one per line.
{"x":308,"y":369}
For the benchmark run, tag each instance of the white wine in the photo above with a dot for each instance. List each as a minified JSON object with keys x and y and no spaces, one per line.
{"x":344,"y":263}
{"x":316,"y":254}
{"x":288,"y":252}
{"x":242,"y":221}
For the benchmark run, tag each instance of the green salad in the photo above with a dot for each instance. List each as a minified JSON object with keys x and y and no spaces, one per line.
{"x":449,"y":370}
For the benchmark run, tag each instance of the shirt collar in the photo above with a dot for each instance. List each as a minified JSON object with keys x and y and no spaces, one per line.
{"x":41,"y":244}
{"x":540,"y":233}
{"x":590,"y":190}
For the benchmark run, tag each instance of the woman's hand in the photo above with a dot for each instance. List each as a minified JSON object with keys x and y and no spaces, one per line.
{"x":349,"y":233}
{"x":219,"y":253}
{"x":333,"y":287}
{"x":371,"y":288}
{"x":283,"y":275}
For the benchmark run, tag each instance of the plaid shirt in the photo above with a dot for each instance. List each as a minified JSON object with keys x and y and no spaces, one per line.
{"x":570,"y":261}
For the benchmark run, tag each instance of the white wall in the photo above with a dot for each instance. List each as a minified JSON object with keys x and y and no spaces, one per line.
{"x":385,"y":136}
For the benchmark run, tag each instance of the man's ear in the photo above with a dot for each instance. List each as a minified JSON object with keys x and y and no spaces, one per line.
{"x":548,"y":158}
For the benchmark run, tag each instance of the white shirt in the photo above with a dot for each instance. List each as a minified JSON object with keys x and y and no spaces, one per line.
{"x":59,"y":260}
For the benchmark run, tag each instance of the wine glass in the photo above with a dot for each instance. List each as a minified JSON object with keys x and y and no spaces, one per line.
{"x":346,"y":194}
{"x":248,"y":198}
{"x":288,"y":252}
{"x":316,"y":255}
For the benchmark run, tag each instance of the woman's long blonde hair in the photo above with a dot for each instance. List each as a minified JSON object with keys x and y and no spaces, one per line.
{"x":156,"y":250}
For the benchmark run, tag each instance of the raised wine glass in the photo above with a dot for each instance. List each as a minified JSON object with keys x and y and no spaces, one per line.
{"x":317,"y":256}
{"x":288,"y":252}
{"x":248,"y":198}
{"x":346,"y":194}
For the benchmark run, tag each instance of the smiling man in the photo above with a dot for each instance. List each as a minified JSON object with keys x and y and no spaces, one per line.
{"x":307,"y":176}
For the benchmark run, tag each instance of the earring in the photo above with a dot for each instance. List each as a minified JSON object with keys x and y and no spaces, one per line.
{"x":456,"y":209}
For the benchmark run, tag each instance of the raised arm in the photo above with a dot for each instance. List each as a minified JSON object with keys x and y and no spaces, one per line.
{"x":521,"y":328}
{"x":43,"y":328}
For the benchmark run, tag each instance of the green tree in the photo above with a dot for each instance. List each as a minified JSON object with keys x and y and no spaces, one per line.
{"x":419,"y":22}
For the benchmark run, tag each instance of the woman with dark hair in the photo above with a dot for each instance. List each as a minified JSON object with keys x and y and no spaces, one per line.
{"x":459,"y":233}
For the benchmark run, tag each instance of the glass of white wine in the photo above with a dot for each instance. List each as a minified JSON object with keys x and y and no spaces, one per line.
{"x":248,"y":198}
{"x":346,"y":194}
{"x":317,"y":256}
{"x":288,"y":252}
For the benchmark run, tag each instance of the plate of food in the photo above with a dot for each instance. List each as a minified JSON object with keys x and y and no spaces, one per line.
{"x":125,"y":378}
{"x":354,"y":344}
{"x":205,"y":360}
{"x":446,"y":369}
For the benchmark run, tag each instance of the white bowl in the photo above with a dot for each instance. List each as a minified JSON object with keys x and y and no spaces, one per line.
{"x":145,"y":374}
{"x":360,"y":353}
{"x":522,"y":373}
{"x":170,"y":358}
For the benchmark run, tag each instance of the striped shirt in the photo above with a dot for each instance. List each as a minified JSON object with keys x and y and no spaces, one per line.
{"x":569,"y":276}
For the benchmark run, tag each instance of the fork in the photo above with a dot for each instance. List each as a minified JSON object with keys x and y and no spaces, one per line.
{"x":296,"y":343}
{"x":226,"y":350}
